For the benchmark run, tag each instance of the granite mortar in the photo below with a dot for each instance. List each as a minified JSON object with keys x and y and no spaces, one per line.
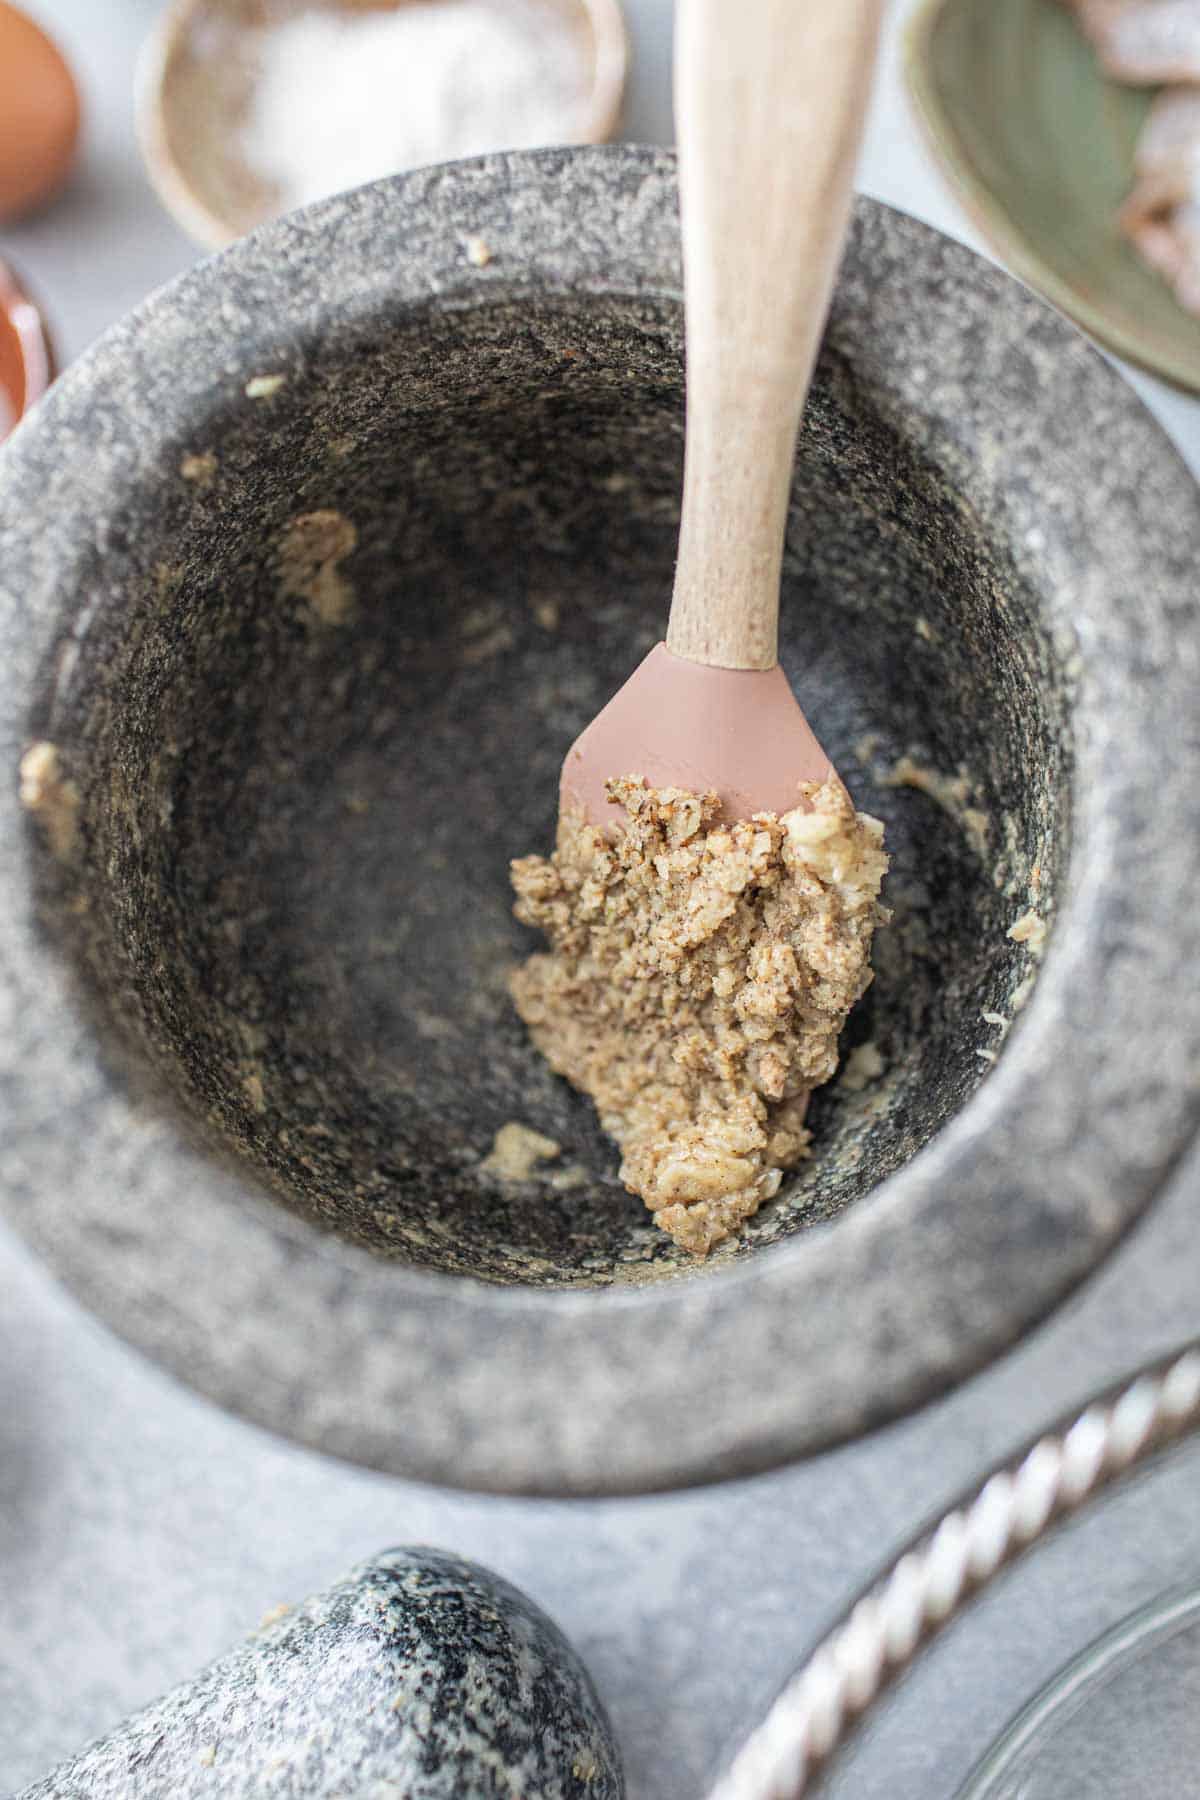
{"x":312,"y":569}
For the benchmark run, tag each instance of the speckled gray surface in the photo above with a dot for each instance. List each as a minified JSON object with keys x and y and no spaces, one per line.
{"x":949,"y":498}
{"x":420,"y":1676}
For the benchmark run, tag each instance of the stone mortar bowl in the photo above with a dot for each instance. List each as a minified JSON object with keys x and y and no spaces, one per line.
{"x":310,"y":571}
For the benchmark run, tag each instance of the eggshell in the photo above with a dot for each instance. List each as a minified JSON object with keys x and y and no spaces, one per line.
{"x":26,"y":356}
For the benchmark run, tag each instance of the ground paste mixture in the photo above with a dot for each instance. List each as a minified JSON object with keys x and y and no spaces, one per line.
{"x":697,"y":979}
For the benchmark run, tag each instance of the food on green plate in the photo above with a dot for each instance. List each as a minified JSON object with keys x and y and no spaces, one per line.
{"x":1144,"y":43}
{"x":1162,"y":214}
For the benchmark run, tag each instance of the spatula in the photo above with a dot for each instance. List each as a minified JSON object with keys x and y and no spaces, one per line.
{"x":769,"y":99}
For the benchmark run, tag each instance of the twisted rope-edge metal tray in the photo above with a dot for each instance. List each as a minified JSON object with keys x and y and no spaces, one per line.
{"x":854,"y":1665}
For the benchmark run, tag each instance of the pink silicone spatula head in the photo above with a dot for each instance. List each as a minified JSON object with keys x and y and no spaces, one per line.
{"x":769,"y":101}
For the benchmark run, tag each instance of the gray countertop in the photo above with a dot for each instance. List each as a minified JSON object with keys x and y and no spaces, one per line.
{"x":142,"y":1531}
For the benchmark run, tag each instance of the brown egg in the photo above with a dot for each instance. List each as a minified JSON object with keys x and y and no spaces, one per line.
{"x":39,"y":114}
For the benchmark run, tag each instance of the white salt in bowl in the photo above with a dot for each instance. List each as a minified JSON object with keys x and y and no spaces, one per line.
{"x":249,"y":108}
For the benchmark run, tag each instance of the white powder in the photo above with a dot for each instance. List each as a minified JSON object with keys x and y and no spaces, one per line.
{"x":341,"y":98}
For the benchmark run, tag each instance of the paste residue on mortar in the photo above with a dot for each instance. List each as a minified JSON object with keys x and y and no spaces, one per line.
{"x":696,"y":982}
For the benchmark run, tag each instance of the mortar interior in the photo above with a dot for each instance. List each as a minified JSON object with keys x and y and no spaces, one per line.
{"x":299,"y":792}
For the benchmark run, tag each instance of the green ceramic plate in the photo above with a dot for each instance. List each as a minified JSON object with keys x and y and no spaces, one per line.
{"x":1039,"y":144}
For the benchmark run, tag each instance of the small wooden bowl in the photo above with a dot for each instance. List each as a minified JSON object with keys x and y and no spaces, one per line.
{"x":26,"y":357}
{"x":193,"y":90}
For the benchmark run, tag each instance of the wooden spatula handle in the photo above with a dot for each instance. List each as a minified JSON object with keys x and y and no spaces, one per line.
{"x":769,"y":102}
